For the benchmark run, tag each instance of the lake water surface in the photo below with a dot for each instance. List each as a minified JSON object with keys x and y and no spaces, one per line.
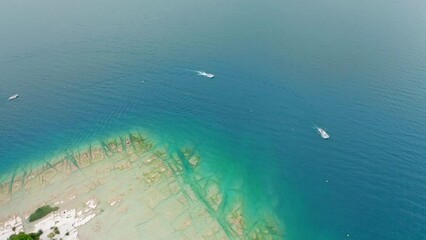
{"x":86,"y":70}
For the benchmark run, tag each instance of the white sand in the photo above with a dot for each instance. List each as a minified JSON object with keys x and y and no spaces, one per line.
{"x":67,"y":221}
{"x":10,"y":226}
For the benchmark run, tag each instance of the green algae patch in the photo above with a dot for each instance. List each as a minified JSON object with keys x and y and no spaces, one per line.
{"x":41,"y":212}
{"x":25,"y":236}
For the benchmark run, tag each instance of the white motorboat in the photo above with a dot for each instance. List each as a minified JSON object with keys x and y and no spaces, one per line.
{"x":202,"y":73}
{"x":323,"y":133}
{"x":13,"y":97}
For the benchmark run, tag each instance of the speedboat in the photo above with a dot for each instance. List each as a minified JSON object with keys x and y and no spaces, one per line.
{"x":323,"y":133}
{"x":13,"y":97}
{"x":209,"y":75}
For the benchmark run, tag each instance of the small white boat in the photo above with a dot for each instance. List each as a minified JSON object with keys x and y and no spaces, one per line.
{"x":209,"y":75}
{"x":323,"y":133}
{"x":13,"y":97}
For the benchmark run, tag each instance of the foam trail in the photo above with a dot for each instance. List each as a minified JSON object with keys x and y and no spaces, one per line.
{"x":202,"y":73}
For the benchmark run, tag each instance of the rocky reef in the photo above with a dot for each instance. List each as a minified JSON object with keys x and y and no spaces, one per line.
{"x":142,"y":189}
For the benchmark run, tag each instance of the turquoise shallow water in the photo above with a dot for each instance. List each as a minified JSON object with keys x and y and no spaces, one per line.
{"x":87,"y":70}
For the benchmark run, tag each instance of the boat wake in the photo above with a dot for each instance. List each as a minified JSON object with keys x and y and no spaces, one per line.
{"x":202,"y":73}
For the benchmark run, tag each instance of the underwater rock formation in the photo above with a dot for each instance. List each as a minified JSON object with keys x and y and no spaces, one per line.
{"x":144,"y":189}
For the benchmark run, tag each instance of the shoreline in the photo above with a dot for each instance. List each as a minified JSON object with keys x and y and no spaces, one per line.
{"x":152,"y":189}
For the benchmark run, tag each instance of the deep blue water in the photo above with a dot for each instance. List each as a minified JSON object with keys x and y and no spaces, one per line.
{"x":88,"y":69}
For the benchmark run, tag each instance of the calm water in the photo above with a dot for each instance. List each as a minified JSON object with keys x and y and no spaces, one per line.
{"x":88,"y":69}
